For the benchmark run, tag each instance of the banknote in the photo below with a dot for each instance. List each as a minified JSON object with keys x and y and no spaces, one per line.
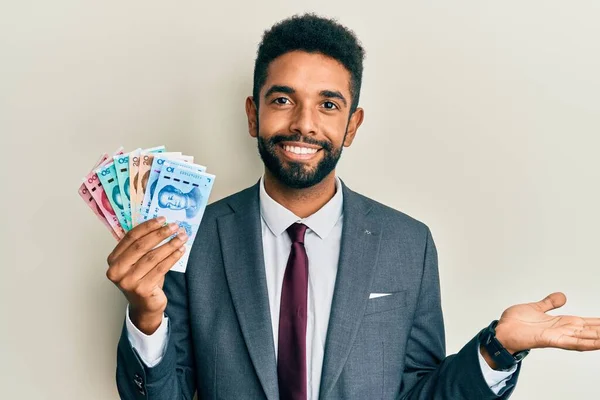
{"x":134,"y":173}
{"x":134,"y":165}
{"x":94,"y":187}
{"x":156,"y":149}
{"x":121,"y":163}
{"x":150,"y":184}
{"x":89,"y":199}
{"x":181,"y":195}
{"x":107,"y":175}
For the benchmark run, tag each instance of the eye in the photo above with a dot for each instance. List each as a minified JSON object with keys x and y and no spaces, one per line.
{"x":329,"y":105}
{"x":281,"y":100}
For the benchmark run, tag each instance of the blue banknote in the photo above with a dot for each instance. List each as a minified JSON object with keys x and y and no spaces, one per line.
{"x":121,"y":163}
{"x":181,"y":195}
{"x":155,"y":171}
{"x":108,"y":177}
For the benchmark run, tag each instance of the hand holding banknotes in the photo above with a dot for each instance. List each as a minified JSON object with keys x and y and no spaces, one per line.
{"x":137,"y":267}
{"x":152,"y":202}
{"x":127,"y":189}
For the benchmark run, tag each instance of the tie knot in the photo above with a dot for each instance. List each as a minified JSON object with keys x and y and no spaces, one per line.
{"x":296,"y":232}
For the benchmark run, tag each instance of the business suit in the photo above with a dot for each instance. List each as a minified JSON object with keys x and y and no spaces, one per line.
{"x":221,"y":342}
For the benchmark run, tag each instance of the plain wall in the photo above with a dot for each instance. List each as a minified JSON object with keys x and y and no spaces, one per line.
{"x":482,"y":120}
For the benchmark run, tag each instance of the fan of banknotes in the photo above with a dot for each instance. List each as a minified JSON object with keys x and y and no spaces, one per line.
{"x":126,"y":189}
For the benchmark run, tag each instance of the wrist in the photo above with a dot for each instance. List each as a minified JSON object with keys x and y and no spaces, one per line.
{"x":503,"y":338}
{"x":488,"y":359}
{"x":146,"y":322}
{"x":495,"y":353}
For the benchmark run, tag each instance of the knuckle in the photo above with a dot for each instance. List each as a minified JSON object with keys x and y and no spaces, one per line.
{"x":110,"y":274}
{"x":110,"y":259}
{"x":127,"y":285}
{"x":165,"y":231}
{"x":136,"y":246}
{"x":162,"y":268}
{"x":150,"y":257}
{"x":140,"y":291}
{"x":137,"y":289}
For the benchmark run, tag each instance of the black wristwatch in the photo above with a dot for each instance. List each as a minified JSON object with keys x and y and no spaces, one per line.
{"x":503,"y":359}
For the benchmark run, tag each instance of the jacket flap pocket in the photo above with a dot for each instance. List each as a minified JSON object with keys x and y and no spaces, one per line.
{"x":386,"y":303}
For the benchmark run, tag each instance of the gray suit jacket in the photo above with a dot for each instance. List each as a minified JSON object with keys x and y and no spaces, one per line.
{"x":220,"y":337}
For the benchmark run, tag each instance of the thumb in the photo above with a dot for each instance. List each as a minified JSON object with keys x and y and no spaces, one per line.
{"x":552,"y":301}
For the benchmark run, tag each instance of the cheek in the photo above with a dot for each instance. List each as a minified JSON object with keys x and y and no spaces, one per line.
{"x":271,"y":122}
{"x":335,"y":129}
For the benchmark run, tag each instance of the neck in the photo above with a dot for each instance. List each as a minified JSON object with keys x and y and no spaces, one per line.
{"x":302,"y":202}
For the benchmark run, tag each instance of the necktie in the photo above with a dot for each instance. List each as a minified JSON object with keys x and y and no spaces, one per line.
{"x":291,"y":361}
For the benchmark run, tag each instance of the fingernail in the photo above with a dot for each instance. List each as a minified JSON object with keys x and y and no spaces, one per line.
{"x":182,"y":249}
{"x":181,"y":230}
{"x":173,"y":226}
{"x":182,"y":236}
{"x":161,"y":220}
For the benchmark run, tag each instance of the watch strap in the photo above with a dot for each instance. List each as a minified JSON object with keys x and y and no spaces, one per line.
{"x":503,"y":359}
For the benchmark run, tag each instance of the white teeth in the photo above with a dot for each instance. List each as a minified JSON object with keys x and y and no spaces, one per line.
{"x":299,"y":150}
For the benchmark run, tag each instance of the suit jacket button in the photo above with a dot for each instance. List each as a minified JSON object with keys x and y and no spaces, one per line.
{"x":139,"y":382}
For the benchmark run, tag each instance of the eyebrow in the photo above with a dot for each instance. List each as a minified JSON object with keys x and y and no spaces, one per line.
{"x":279,"y":89}
{"x":334,"y":94}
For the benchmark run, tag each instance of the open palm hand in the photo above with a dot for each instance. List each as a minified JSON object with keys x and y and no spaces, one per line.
{"x":527,"y":326}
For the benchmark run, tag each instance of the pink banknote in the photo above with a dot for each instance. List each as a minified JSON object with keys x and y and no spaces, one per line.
{"x":94,"y":189}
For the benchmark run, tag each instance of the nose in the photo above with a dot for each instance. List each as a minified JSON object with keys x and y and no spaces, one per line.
{"x":304,"y":121}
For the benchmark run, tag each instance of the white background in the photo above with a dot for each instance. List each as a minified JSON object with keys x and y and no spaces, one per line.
{"x":482,"y":120}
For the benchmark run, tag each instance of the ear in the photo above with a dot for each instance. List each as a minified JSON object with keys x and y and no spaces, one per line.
{"x":356,"y":119}
{"x":252,"y":115}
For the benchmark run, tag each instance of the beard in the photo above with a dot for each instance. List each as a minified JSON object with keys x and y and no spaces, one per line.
{"x":298,"y":175}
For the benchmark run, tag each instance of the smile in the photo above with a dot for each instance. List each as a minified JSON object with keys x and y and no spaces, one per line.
{"x":300,"y":150}
{"x":296,"y":152}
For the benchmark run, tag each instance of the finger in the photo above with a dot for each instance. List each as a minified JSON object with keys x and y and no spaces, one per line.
{"x":578,"y":344}
{"x":136,"y":233}
{"x":155,"y":275}
{"x":587,"y":333}
{"x":161,"y":282}
{"x":551,"y":302}
{"x":156,"y":256}
{"x":591,"y":321}
{"x":138,"y":249}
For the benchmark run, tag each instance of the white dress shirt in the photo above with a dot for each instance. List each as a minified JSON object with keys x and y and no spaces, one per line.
{"x":322,"y":242}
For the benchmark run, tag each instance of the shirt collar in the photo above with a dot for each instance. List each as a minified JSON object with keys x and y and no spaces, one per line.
{"x":278,"y":218}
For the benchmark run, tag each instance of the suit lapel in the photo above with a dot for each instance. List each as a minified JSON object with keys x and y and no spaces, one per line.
{"x":241,"y":245}
{"x":358,"y":256}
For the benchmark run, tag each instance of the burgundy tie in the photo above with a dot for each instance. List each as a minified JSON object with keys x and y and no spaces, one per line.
{"x":291,"y":361}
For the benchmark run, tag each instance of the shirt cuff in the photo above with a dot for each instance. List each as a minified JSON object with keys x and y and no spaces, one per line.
{"x":150,"y":348}
{"x":496,"y":380}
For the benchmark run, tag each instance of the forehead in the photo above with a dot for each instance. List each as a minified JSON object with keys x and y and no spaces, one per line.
{"x":308,"y":73}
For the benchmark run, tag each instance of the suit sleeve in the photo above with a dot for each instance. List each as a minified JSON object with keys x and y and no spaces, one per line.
{"x":428,"y":374}
{"x":173,"y":377}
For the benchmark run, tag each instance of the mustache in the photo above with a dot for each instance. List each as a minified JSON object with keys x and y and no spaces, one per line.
{"x":301,"y":139}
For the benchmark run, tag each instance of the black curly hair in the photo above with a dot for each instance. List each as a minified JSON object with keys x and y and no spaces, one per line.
{"x":312,"y":34}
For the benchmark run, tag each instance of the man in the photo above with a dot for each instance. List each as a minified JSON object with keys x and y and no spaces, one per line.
{"x":298,"y":287}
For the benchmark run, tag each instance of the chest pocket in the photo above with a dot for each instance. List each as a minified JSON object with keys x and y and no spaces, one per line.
{"x":386,"y":303}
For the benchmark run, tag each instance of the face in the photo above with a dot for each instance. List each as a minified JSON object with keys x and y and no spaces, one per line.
{"x":172,"y":199}
{"x":303,"y":118}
